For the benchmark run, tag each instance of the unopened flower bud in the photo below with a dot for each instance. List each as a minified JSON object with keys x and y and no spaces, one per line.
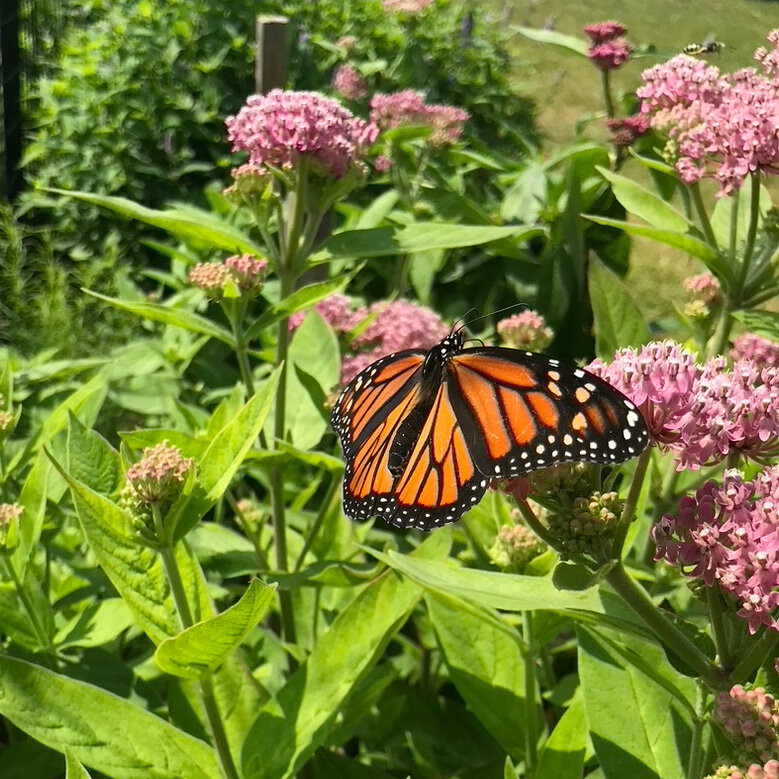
{"x":10,"y":513}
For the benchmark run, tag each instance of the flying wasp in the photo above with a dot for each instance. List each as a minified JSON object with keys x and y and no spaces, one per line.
{"x":708,"y":46}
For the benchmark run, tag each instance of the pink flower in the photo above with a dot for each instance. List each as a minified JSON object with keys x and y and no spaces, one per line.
{"x":245,"y":271}
{"x":659,"y":379}
{"x":160,"y":474}
{"x":599,"y":32}
{"x":526,"y":330}
{"x":395,"y":326}
{"x":348,"y":83}
{"x":750,"y":719}
{"x":724,"y":126}
{"x":382,"y":163}
{"x":408,"y":7}
{"x":704,"y":287}
{"x":337,"y":310}
{"x":281,"y":128}
{"x":408,"y":108}
{"x":609,"y":55}
{"x":625,"y":131}
{"x":730,"y":411}
{"x":752,"y":347}
{"x":729,"y":536}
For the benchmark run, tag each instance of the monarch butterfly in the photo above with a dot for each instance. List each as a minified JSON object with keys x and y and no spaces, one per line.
{"x":424,"y":432}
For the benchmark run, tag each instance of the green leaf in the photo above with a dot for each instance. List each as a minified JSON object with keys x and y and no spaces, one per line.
{"x":645,"y":204}
{"x":176,"y":317}
{"x":618,"y":322}
{"x":100,"y":729}
{"x":73,"y":768}
{"x":294,"y":723}
{"x":422,"y":269}
{"x":193,"y":225}
{"x":136,"y":571}
{"x":562,"y":756}
{"x":765,"y":323}
{"x":98,"y":624}
{"x":486,"y":667}
{"x":687,"y":243}
{"x":206,"y":645}
{"x":222,"y":459}
{"x":638,"y":728}
{"x":721,"y":216}
{"x":512,"y":592}
{"x":91,"y":460}
{"x":573,"y":576}
{"x":383,"y":241}
{"x":568,"y":43}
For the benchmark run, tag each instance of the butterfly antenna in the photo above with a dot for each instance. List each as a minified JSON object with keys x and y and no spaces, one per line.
{"x":456,"y":326}
{"x":492,"y":313}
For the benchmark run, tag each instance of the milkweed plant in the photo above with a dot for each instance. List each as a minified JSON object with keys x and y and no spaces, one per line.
{"x":180,"y":592}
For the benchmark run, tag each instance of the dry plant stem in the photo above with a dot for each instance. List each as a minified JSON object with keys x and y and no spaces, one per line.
{"x":213,"y":715}
{"x":638,"y":599}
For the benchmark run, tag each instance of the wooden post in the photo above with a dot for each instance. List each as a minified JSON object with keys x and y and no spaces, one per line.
{"x":12,"y":104}
{"x":270,"y":59}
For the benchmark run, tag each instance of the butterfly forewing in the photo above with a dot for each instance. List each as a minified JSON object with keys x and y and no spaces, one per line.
{"x":530,"y":411}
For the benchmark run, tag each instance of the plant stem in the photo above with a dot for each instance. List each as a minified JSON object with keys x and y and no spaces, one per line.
{"x":722,"y":333}
{"x":607,"y":101}
{"x":695,"y":760}
{"x":237,"y":310}
{"x":324,"y":509}
{"x":754,"y":218}
{"x":718,"y":628}
{"x":531,"y":691}
{"x":703,"y":217}
{"x":40,"y":631}
{"x":631,"y":500}
{"x":764,"y":647}
{"x":213,"y":715}
{"x":534,"y":523}
{"x":637,"y":598}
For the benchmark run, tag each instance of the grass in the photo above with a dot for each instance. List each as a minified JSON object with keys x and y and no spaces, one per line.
{"x":566,"y":90}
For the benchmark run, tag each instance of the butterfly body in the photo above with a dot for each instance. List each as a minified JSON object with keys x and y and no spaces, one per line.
{"x":424,"y":432}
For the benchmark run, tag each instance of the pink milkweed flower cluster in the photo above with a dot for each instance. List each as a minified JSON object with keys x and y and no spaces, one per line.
{"x":348,"y":83}
{"x":389,"y":327}
{"x":728,"y":535}
{"x":281,"y":128}
{"x":525,"y":330}
{"x":753,"y":347}
{"x":658,"y":378}
{"x":245,"y":271}
{"x":704,"y":295}
{"x":608,"y":49}
{"x":730,"y":410}
{"x":768,"y":771}
{"x":407,"y":7}
{"x":750,"y":718}
{"x":723,"y":126}
{"x":160,"y":474}
{"x":625,"y":131}
{"x":702,"y":414}
{"x":400,"y":109}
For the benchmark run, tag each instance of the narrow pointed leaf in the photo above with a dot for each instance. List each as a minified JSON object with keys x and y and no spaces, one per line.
{"x":644,"y":203}
{"x":101,"y":730}
{"x":155,"y":312}
{"x":618,"y":322}
{"x":194,"y":225}
{"x":292,"y":725}
{"x":206,"y":645}
{"x":560,"y":40}
{"x":73,"y":768}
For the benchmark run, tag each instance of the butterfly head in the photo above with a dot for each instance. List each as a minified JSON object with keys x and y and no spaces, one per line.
{"x":439,"y":355}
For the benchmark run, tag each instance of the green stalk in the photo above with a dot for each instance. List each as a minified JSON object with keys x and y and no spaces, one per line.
{"x":638,"y":600}
{"x":703,"y":217}
{"x":606,"y":87}
{"x":40,"y":631}
{"x":327,"y":504}
{"x":714,"y":605}
{"x":534,"y":523}
{"x":631,"y":501}
{"x":754,"y":218}
{"x":695,"y":760}
{"x":236,"y":310}
{"x":764,"y":647}
{"x":531,"y":694}
{"x":208,"y":697}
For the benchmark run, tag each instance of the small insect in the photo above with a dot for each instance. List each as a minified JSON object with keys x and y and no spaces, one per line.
{"x":424,"y":432}
{"x":708,"y":46}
